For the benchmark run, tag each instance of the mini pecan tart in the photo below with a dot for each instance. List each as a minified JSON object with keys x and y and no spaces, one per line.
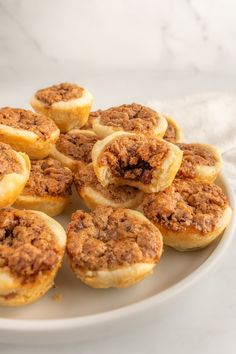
{"x":31,"y":249}
{"x":133,"y":118}
{"x":14,"y":173}
{"x":73,"y":149}
{"x":112,"y":247}
{"x":189,"y":214}
{"x":173,"y":132}
{"x":201,"y":162}
{"x":48,"y":188}
{"x":28,"y":132}
{"x":147,"y":163}
{"x":67,"y":104}
{"x":94,"y":194}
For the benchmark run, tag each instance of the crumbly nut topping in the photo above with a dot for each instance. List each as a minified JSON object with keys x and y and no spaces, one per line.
{"x":8,"y":161}
{"x":77,"y":146}
{"x":186,"y":204}
{"x":91,"y":117}
{"x":131,"y":117}
{"x":56,"y":93}
{"x":85,"y":177}
{"x":110,"y":238}
{"x":27,"y":246}
{"x":27,"y":120}
{"x":134,"y":157}
{"x":170,"y":134}
{"x":48,"y":177}
{"x":194,"y":155}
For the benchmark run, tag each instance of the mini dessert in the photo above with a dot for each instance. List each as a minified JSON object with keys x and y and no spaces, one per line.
{"x":67,"y":104}
{"x":173,"y":132}
{"x":28,"y":132}
{"x":147,"y":163}
{"x":91,"y":117}
{"x":14,"y":173}
{"x":112,"y":247}
{"x":201,"y":162}
{"x":74,"y":148}
{"x":133,"y":118}
{"x":94,"y":194}
{"x":32,"y":246}
{"x":48,"y":188}
{"x":189,"y":214}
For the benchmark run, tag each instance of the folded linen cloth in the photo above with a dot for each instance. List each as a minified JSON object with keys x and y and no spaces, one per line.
{"x":207,"y":118}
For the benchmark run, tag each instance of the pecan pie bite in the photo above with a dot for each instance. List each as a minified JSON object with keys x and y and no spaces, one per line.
{"x":32,"y":246}
{"x":94,"y":194}
{"x":201,"y":162}
{"x":66,"y":103}
{"x":189,"y":214}
{"x":14,"y":173}
{"x":29,"y":132}
{"x":73,"y":149}
{"x":133,"y":118}
{"x":112,"y":247}
{"x":147,"y":163}
{"x":48,"y":188}
{"x":173,"y":132}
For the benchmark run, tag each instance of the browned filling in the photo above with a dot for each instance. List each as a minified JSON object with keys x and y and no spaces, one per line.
{"x":9,"y":296}
{"x":8,"y":161}
{"x":27,"y":120}
{"x":134,"y":157}
{"x":186,"y":204}
{"x":27,"y":246}
{"x":194,"y":155}
{"x":170,"y":134}
{"x":119,"y":194}
{"x":91,"y":117}
{"x":109,"y":238}
{"x":131,"y":117}
{"x":77,"y":146}
{"x":56,"y":93}
{"x":48,"y":177}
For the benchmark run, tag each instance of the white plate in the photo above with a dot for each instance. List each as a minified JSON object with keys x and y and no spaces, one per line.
{"x":84,"y":312}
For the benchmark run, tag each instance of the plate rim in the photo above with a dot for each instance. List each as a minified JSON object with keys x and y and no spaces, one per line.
{"x":31,"y":325}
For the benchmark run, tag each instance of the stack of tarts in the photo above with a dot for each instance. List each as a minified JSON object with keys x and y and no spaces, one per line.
{"x":144,"y":188}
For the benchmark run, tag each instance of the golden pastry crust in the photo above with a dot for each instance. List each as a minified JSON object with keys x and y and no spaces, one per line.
{"x":67,"y":104}
{"x":112,"y":247}
{"x":173,"y":132}
{"x":147,"y":163}
{"x":201,"y":162}
{"x":26,"y":131}
{"x":73,"y":149}
{"x":48,"y":188}
{"x":189,"y":214}
{"x":94,"y":194}
{"x":133,"y":118}
{"x":91,"y":117}
{"x":49,"y":205}
{"x":14,"y":173}
{"x":32,"y":246}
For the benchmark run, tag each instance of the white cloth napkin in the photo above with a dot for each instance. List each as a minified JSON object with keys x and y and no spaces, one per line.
{"x":207,"y":118}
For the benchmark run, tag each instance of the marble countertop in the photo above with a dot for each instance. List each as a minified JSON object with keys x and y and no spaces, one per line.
{"x":194,"y":35}
{"x":203,"y":319}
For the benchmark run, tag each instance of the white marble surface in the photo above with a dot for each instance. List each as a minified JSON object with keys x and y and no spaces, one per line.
{"x":193,"y":35}
{"x":132,"y":51}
